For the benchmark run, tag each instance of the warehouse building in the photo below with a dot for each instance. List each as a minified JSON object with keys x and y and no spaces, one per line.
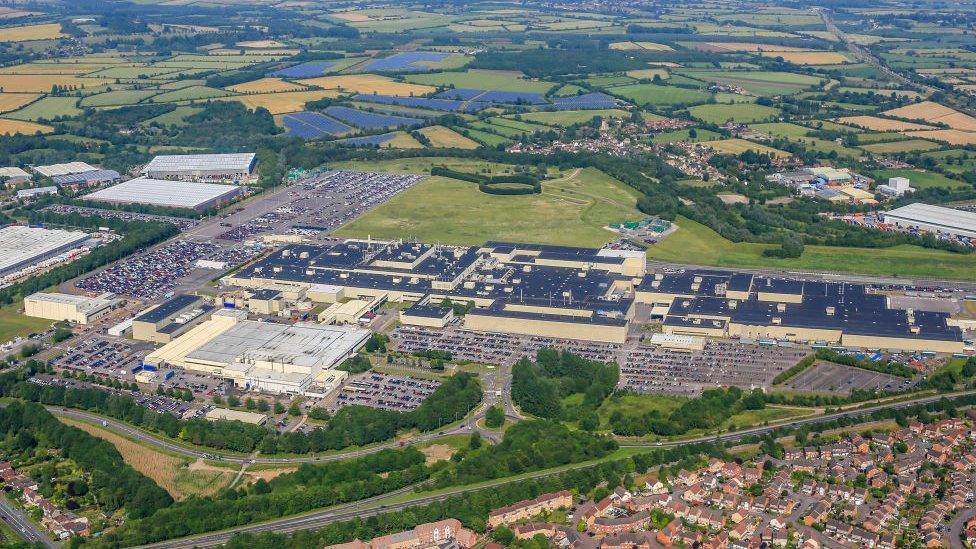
{"x":263,"y":356}
{"x":171,"y":194}
{"x":72,"y":308}
{"x":213,"y":167}
{"x":933,"y":219}
{"x":166,"y":321}
{"x":92,"y":178}
{"x":13,"y":176}
{"x":68,"y":168}
{"x":27,"y":194}
{"x":22,"y":247}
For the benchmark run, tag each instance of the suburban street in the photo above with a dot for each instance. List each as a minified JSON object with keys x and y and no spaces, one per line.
{"x":25,"y":528}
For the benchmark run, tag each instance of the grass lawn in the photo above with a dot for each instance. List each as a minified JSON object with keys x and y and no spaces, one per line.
{"x":652,"y":94}
{"x":685,"y":135}
{"x":739,"y":112}
{"x":955,"y":161}
{"x":739,"y":146}
{"x":572,"y":209}
{"x":787,"y":130}
{"x":696,"y":244}
{"x":921,"y":179}
{"x":13,"y":323}
{"x":632,"y":404}
{"x":482,"y":80}
{"x":485,"y":138}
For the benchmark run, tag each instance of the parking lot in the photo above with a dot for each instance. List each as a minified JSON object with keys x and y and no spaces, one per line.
{"x":827,"y":377}
{"x":182,"y":223}
{"x":114,"y":358}
{"x":721,"y":363}
{"x":152,"y":402}
{"x":387,"y":392}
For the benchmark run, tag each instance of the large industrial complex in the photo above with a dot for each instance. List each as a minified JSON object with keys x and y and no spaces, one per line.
{"x":933,"y":219}
{"x":21,"y":247}
{"x":172,"y":194}
{"x":591,"y":294}
{"x":217,"y":167}
{"x":79,"y":309}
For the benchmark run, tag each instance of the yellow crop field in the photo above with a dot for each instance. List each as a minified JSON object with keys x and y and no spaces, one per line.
{"x":11,"y":127}
{"x":14,"y":101}
{"x":441,"y":137}
{"x":352,"y":16}
{"x":42,"y":83}
{"x":54,"y":68}
{"x":739,"y":146}
{"x":952,"y":137}
{"x":367,"y":83}
{"x":809,"y":57}
{"x":31,"y":32}
{"x":265,"y":85}
{"x":934,"y":112}
{"x":280,"y":103}
{"x":882,"y":124}
{"x":649,"y":74}
{"x":647,"y":46}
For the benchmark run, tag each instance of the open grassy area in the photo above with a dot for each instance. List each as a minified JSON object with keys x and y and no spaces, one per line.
{"x":741,"y":113}
{"x":13,"y":323}
{"x":696,"y":244}
{"x":482,"y":80}
{"x":47,"y":108}
{"x":921,"y":179}
{"x":653,"y":94}
{"x":568,"y":118}
{"x":572,"y":209}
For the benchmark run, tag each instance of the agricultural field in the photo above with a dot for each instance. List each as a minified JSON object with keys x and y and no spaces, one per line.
{"x":741,"y":113}
{"x":13,"y":101}
{"x":572,"y":209}
{"x":10,"y":127}
{"x":881,"y":124}
{"x":47,"y":108}
{"x":921,"y":179}
{"x":951,"y":137}
{"x":284,"y":102}
{"x":568,"y":118}
{"x":26,"y":33}
{"x":763,"y":83}
{"x":367,"y":84}
{"x":441,"y":137}
{"x":895,"y":147}
{"x":935,"y":113}
{"x":265,"y":85}
{"x":652,"y":94}
{"x":42,"y":83}
{"x":738,"y":146}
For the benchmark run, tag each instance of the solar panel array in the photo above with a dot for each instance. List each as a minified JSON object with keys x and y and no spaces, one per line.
{"x":449,"y":105}
{"x":304,"y":70}
{"x":370,"y":121}
{"x":312,"y":125}
{"x":585,"y":101}
{"x":406,"y":61}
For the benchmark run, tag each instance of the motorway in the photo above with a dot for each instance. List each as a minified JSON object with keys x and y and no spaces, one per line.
{"x":19,"y":523}
{"x":373,"y":506}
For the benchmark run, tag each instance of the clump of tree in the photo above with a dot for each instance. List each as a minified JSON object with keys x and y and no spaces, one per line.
{"x":539,"y":387}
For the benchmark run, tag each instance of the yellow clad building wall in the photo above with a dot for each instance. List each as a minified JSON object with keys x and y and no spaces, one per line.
{"x":547,"y":328}
{"x":789,"y":333}
{"x":902,"y":344}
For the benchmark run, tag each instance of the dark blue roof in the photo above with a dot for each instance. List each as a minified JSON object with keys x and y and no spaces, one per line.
{"x":168,"y":308}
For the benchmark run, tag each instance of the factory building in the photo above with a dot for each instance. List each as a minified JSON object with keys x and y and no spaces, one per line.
{"x":91,"y":178}
{"x":171,"y":194}
{"x":27,"y":194}
{"x":166,"y":321}
{"x":210,"y":167}
{"x":67,"y":168}
{"x":897,"y":186}
{"x":933,"y":219}
{"x":22,"y":247}
{"x":263,"y":356}
{"x":726,"y":304}
{"x":68,"y":307}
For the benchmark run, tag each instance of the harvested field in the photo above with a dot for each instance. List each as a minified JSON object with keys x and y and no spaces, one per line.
{"x":442,"y":137}
{"x":42,"y":83}
{"x":351,"y":16}
{"x":14,"y":101}
{"x":747,"y":47}
{"x":809,"y":57}
{"x":368,"y":83}
{"x":280,"y":103}
{"x":402,"y":140}
{"x":739,"y":146}
{"x":882,"y":124}
{"x":952,"y":137}
{"x":647,"y":46}
{"x":261,"y":44}
{"x":265,"y":85}
{"x":47,"y":31}
{"x":934,"y":112}
{"x":11,"y":127}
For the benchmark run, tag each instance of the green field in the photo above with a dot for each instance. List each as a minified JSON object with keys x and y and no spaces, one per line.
{"x":176,"y":117}
{"x":188,"y":94}
{"x":13,"y":323}
{"x":955,"y":161}
{"x":786,"y":130}
{"x":568,"y":118}
{"x":47,"y":108}
{"x":696,"y":244}
{"x":921,"y":179}
{"x":482,"y":80}
{"x":909,"y":145}
{"x":759,"y":82}
{"x":116,"y":97}
{"x":685,"y":135}
{"x":483,"y":137}
{"x":740,"y":112}
{"x":572,"y":210}
{"x":652,"y":94}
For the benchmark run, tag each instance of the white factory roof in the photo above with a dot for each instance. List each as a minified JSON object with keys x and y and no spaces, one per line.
{"x":63,"y":169}
{"x":954,"y":220}
{"x":19,"y":244}
{"x":83,"y":303}
{"x":13,"y":172}
{"x":304,"y":345}
{"x":34,"y":191}
{"x":236,"y":162}
{"x":159,"y":192}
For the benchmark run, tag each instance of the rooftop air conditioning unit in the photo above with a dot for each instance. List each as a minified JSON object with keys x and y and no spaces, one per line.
{"x":830,"y":311}
{"x":914,"y":329}
{"x":777,"y":321}
{"x":780,"y":307}
{"x":526,"y":268}
{"x":277,"y":269}
{"x":303,"y":255}
{"x":733,"y":304}
{"x":285,"y":253}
